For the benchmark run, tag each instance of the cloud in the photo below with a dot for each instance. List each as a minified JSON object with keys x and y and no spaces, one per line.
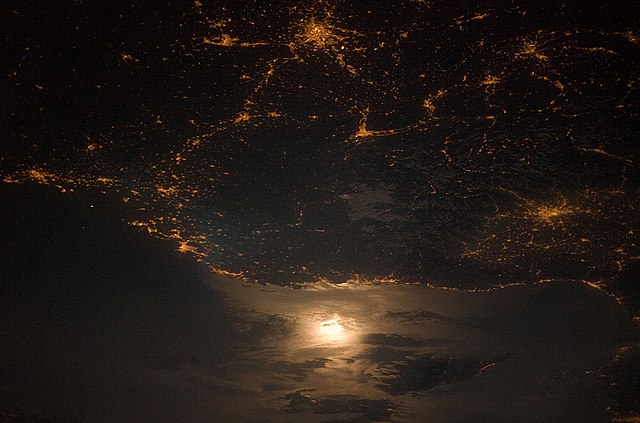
{"x":393,"y":340}
{"x":359,"y":410}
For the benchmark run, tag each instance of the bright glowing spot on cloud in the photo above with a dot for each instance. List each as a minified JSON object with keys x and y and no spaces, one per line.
{"x":331,"y":330}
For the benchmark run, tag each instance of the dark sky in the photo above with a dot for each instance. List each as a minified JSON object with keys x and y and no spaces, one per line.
{"x":157,"y":158}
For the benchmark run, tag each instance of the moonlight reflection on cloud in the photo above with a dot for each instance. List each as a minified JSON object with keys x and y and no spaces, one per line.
{"x":410,"y":344}
{"x":333,"y":331}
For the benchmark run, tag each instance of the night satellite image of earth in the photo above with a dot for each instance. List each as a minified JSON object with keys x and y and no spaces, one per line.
{"x":320,"y":211}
